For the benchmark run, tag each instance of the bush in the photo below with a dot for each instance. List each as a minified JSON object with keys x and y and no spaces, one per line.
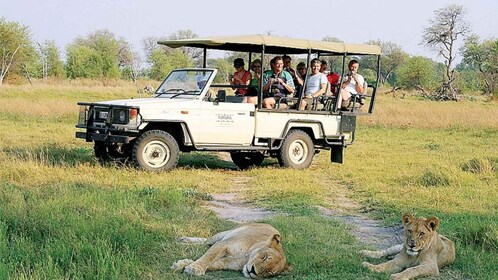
{"x":480,"y":165}
{"x":434,"y":178}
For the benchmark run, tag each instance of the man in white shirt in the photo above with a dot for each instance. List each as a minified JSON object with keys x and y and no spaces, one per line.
{"x":316,"y":84}
{"x":352,"y":85}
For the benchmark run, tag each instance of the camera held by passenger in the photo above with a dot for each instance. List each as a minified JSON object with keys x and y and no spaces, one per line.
{"x":351,"y":73}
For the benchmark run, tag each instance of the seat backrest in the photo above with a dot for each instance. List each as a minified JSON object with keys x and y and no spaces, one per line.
{"x":365,"y":88}
{"x":328,"y":90}
{"x":222,"y":94}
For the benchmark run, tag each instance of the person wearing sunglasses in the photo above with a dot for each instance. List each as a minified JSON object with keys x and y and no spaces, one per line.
{"x":241,"y":77}
{"x":253,"y":90}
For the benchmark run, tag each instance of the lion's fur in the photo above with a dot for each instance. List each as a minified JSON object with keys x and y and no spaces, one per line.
{"x":256,"y":249}
{"x":423,"y":252}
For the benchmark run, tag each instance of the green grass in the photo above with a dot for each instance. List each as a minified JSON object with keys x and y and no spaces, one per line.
{"x":64,"y":216}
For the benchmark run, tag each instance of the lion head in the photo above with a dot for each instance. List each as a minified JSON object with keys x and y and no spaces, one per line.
{"x":419,"y":232}
{"x":266,"y":261}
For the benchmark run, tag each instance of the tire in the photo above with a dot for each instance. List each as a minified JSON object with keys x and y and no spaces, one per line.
{"x":245,"y":160}
{"x":156,"y":151}
{"x":297,"y":150}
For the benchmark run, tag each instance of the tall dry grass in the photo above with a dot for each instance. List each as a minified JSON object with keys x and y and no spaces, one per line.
{"x":411,"y":112}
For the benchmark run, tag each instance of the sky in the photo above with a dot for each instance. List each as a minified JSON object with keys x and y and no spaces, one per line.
{"x":398,"y":21}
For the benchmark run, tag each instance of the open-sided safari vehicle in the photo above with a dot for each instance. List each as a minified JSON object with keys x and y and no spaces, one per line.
{"x":190,"y":112}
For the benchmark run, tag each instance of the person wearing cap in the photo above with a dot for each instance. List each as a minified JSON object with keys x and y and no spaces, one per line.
{"x":241,"y":77}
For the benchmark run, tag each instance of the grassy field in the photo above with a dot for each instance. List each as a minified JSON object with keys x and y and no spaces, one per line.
{"x":63,"y":216}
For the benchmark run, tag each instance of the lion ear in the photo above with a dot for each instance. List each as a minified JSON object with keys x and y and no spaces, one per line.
{"x":276,"y":238}
{"x":432,"y":223}
{"x":275,"y":241}
{"x":407,"y":218}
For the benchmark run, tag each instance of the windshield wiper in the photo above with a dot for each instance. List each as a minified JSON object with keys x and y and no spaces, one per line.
{"x":188,"y":92}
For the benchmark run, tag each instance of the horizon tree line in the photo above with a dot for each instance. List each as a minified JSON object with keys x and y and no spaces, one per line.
{"x":101,"y":55}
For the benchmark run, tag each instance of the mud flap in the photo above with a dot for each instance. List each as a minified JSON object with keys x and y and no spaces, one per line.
{"x":336,"y":153}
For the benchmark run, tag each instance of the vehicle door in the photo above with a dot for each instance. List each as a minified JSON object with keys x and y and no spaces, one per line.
{"x":225,"y":123}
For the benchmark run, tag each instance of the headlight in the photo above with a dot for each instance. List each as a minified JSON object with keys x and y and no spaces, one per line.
{"x":122,"y":116}
{"x":119,"y":116}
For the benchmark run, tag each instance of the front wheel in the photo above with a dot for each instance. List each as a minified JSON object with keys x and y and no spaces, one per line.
{"x":297,"y":150}
{"x":156,"y":150}
{"x":245,"y":160}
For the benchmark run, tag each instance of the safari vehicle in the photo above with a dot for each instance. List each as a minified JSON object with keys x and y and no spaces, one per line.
{"x":190,"y":112}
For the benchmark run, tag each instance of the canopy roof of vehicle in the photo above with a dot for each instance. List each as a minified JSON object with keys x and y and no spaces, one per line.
{"x":272,"y":44}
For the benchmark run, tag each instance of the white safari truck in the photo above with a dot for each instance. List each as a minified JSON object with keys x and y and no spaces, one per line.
{"x":192,"y":111}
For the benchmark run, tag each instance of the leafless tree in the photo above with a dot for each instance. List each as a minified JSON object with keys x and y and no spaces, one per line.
{"x":441,"y":36}
{"x":135,"y":66}
{"x":44,"y":60}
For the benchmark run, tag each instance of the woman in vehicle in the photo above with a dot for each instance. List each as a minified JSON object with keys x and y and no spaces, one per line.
{"x":241,"y":77}
{"x":253,"y":90}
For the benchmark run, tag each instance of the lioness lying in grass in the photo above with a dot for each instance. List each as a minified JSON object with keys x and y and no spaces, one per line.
{"x":256,"y":249}
{"x":423,"y":252}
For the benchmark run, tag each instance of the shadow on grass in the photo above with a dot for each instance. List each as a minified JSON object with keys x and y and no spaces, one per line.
{"x":55,"y":155}
{"x":203,"y":160}
{"x":51,"y":155}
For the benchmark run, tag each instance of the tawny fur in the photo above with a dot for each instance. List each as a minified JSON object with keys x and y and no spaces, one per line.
{"x":423,"y":252}
{"x":256,"y":249}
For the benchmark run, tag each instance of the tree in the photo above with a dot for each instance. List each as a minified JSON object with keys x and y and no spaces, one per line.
{"x":51,"y":63}
{"x":162,"y":59}
{"x":15,"y":47}
{"x":417,"y":72}
{"x":162,"y":63}
{"x":194,"y":53}
{"x":99,"y":55}
{"x":483,"y":57}
{"x":392,"y":58}
{"x":441,"y":36}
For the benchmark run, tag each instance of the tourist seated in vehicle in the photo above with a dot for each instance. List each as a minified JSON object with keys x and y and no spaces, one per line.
{"x":353,"y":85}
{"x":333,"y":79}
{"x":315,"y":85}
{"x":288,"y":67}
{"x":253,"y":90}
{"x":300,"y":74}
{"x":241,"y":77}
{"x":277,"y":83}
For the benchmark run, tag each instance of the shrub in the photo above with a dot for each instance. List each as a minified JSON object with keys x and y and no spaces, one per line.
{"x":434,"y":178}
{"x":480,"y":165}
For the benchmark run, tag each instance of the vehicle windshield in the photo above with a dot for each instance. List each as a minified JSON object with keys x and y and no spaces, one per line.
{"x":184,"y":82}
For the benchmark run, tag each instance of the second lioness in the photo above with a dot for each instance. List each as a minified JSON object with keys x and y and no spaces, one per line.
{"x":423,"y":252}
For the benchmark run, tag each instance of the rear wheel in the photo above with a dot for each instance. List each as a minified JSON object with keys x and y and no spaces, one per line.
{"x":297,"y":150}
{"x":156,"y":150}
{"x":245,"y":160}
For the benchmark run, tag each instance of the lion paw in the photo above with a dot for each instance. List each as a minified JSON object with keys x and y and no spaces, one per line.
{"x":370,"y":266}
{"x":181,"y":264}
{"x":194,"y":270}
